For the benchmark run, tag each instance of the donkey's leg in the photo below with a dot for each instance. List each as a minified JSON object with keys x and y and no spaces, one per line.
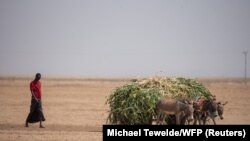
{"x":195,"y":120}
{"x":163,"y":120}
{"x":158,"y":114}
{"x":205,"y":120}
{"x":200,"y":118}
{"x":160,"y":118}
{"x":177,"y":116}
{"x":213,"y":118}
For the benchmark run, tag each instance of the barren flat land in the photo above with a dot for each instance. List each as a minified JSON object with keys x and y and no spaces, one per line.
{"x":75,"y":108}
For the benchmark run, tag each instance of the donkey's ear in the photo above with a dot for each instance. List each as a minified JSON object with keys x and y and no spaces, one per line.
{"x":185,"y":101}
{"x":225,"y":103}
{"x":189,"y":101}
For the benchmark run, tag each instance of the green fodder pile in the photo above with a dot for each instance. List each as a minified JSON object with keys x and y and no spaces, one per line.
{"x":134,"y":102}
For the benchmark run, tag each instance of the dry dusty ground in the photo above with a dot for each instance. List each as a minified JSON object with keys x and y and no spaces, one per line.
{"x":75,"y":109}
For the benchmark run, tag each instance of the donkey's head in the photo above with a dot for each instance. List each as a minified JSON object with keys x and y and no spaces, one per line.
{"x":189,"y":109}
{"x":211,"y":107}
{"x":220,"y":108}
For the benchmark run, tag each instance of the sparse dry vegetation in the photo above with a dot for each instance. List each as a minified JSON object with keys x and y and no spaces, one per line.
{"x":75,"y":109}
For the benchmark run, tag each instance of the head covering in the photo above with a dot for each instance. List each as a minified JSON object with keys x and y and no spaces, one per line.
{"x":38,"y":76}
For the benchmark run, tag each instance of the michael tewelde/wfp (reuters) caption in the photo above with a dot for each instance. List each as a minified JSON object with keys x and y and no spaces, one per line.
{"x":194,"y":132}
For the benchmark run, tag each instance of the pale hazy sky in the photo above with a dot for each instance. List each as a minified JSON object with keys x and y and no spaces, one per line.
{"x":124,"y":37}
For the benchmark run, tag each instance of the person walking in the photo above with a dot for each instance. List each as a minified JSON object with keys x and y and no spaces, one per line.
{"x":36,"y":111}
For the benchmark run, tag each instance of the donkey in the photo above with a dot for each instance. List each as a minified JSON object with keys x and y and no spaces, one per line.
{"x":220,"y":108}
{"x":206,"y":108}
{"x":174,"y":107}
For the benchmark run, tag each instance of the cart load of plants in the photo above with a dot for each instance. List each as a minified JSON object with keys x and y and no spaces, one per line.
{"x":135,"y":102}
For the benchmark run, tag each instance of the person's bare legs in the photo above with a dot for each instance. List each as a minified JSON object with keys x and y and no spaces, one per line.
{"x":41,"y":125}
{"x":26,"y":124}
